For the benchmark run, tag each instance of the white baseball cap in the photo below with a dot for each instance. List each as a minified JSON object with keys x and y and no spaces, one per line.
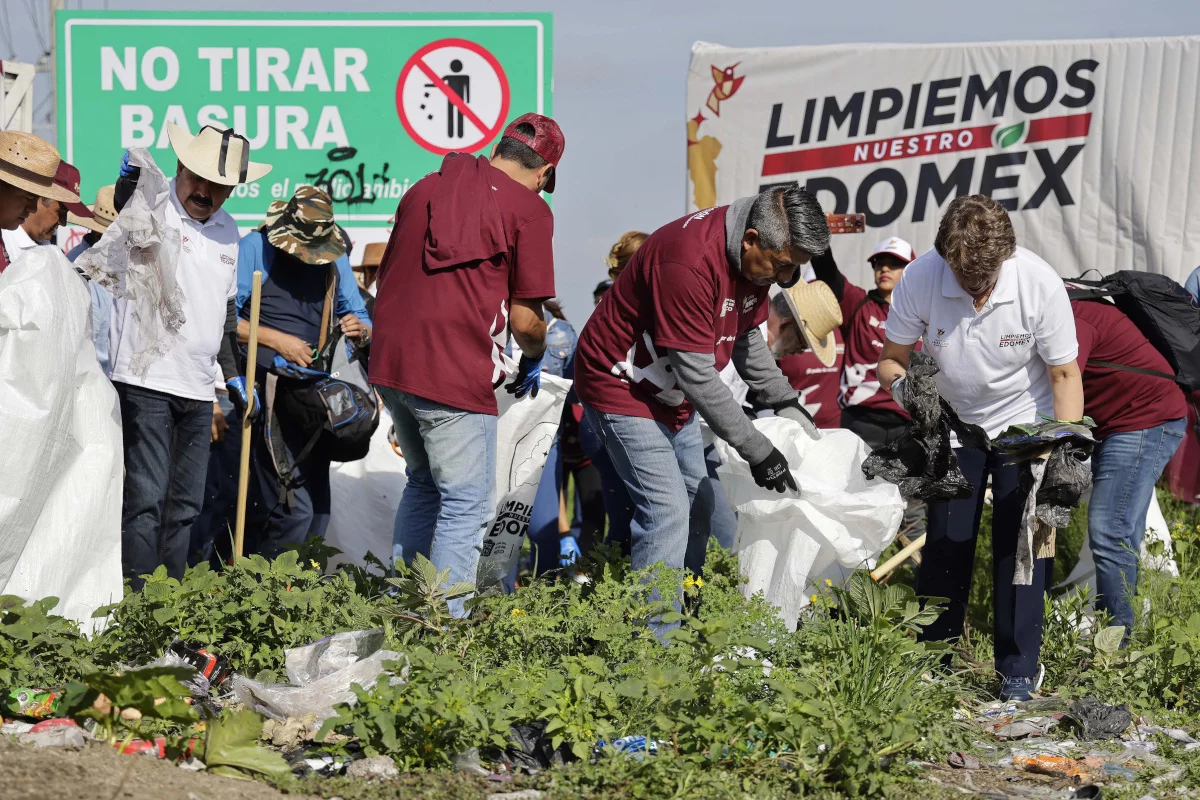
{"x":897,"y":247}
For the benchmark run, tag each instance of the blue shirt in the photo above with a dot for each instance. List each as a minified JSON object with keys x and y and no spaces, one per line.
{"x":1193,"y":285}
{"x":102,"y":302}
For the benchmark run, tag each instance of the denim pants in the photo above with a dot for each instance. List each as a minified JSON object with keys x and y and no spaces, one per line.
{"x":1125,"y":467}
{"x":278,"y":520}
{"x":213,"y":530}
{"x":448,"y":503}
{"x":617,"y":505}
{"x":948,"y":559}
{"x":166,"y":458}
{"x":667,"y":480}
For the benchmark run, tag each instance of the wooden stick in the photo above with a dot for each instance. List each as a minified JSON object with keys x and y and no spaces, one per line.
{"x":244,"y":467}
{"x":898,"y":559}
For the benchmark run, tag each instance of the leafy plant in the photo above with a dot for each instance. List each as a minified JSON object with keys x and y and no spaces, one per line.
{"x":39,"y":649}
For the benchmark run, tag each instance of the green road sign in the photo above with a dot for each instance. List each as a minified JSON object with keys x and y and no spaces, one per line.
{"x":363,"y":105}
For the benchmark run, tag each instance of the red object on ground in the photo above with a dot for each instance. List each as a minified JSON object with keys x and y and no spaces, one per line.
{"x":47,"y":725}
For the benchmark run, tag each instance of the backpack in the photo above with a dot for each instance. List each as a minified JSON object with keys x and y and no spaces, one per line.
{"x":1162,"y":310}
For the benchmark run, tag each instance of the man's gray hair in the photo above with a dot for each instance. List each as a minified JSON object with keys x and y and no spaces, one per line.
{"x":789,"y":216}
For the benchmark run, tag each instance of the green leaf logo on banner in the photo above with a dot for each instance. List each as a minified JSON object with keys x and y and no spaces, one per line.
{"x":1008,"y":136}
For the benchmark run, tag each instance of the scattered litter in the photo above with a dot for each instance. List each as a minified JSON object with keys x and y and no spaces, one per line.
{"x":192,"y":764}
{"x":1099,"y":720}
{"x":630,"y":745}
{"x":1033,"y":726}
{"x":1119,"y":771}
{"x":210,"y":670}
{"x":962,"y":761}
{"x":321,"y":674}
{"x":55,"y":733}
{"x":33,"y":703}
{"x":523,"y":794}
{"x":1056,"y":766}
{"x":376,"y":768}
{"x":291,"y":731}
{"x":468,"y":761}
{"x":324,"y":765}
{"x":16,"y":727}
{"x":531,"y":749}
{"x":1175,"y":734}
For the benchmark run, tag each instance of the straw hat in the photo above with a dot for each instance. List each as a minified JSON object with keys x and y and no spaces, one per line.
{"x":372,"y":256}
{"x":817,"y":314}
{"x":304,"y":227}
{"x":104,"y":212}
{"x":29,"y":162}
{"x":220,"y":156}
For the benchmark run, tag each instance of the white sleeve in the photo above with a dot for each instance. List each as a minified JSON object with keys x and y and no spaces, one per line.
{"x":1054,"y":335}
{"x":906,"y":321}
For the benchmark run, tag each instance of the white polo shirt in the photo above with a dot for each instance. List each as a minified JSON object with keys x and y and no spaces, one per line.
{"x":207,"y":276}
{"x":16,"y":242}
{"x":993,"y":362}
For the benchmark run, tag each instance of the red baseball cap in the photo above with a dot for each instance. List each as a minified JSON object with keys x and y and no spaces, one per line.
{"x":547,"y":140}
{"x":67,"y":177}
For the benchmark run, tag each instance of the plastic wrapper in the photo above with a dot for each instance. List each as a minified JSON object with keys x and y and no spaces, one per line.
{"x":841,"y":521}
{"x":137,"y":260}
{"x":327,"y":670}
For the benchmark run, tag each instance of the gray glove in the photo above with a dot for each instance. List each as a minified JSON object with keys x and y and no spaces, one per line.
{"x":794,"y":411}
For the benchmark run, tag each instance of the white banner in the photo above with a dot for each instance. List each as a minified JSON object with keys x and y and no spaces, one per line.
{"x":1093,"y":146}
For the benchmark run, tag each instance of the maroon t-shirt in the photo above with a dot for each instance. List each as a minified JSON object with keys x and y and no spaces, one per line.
{"x":439,"y":330}
{"x":679,"y":292}
{"x":864,"y":321}
{"x":1121,"y":401}
{"x":817,"y":384}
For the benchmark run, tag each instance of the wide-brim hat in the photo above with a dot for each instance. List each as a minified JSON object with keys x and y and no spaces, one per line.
{"x":29,"y":162}
{"x":817,"y":314}
{"x":104,"y":211}
{"x":305,"y":228}
{"x":372,"y":256}
{"x":217,"y":155}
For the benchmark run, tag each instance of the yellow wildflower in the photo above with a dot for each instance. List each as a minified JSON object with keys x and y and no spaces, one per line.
{"x":689,"y":582}
{"x":812,"y":599}
{"x":828,"y":582}
{"x":314,"y":563}
{"x":516,"y":612}
{"x":699,"y":583}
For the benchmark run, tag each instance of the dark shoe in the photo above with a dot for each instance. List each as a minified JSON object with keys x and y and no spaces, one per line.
{"x":1018,"y":690}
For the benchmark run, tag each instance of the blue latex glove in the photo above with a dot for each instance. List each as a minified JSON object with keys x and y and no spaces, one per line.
{"x":528,"y":380}
{"x":282,"y":366}
{"x":241,"y":398}
{"x":568,"y":551}
{"x":129,"y":170}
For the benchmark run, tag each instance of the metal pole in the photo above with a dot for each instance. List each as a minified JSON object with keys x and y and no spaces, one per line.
{"x":244,"y":467}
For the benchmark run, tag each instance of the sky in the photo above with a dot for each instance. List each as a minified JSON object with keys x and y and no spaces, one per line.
{"x":619,"y":79}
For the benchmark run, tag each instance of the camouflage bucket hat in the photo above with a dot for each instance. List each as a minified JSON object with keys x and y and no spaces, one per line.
{"x":304,"y":227}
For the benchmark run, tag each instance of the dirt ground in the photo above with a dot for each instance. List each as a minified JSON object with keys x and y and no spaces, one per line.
{"x":100,"y":773}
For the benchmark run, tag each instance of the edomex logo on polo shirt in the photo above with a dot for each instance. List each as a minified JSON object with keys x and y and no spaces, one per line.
{"x":1015,"y":339}
{"x":1024,"y":118}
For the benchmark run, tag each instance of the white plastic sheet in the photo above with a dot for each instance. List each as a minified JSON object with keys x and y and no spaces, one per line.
{"x":60,"y":484}
{"x":840,"y":522}
{"x":365,"y":494}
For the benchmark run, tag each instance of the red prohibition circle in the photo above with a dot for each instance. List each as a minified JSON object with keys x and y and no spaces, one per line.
{"x":489,"y":134}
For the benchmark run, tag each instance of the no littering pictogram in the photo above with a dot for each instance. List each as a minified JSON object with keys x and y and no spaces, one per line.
{"x":452,"y":96}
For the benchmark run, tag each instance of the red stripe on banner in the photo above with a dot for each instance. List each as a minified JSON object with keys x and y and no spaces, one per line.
{"x":1051,"y":128}
{"x":916,"y":145}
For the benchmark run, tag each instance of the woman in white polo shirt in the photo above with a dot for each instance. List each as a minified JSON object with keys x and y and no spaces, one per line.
{"x":997,"y":319}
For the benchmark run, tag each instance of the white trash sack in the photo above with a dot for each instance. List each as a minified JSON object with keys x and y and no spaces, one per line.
{"x":366,"y":493}
{"x":841,"y":520}
{"x":60,"y":486}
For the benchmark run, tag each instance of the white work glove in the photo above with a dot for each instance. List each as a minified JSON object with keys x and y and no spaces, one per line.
{"x":794,"y":411}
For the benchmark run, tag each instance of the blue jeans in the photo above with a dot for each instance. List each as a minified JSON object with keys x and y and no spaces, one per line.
{"x":724,"y":521}
{"x":665,"y":475}
{"x":1125,"y":467}
{"x":617,"y":505}
{"x":166,"y":458}
{"x":450,"y":458}
{"x":213,"y":528}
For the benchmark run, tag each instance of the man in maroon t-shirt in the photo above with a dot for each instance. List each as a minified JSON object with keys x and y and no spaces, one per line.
{"x":816,"y":381}
{"x":1140,"y":421}
{"x":689,"y":302}
{"x":469,"y":260}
